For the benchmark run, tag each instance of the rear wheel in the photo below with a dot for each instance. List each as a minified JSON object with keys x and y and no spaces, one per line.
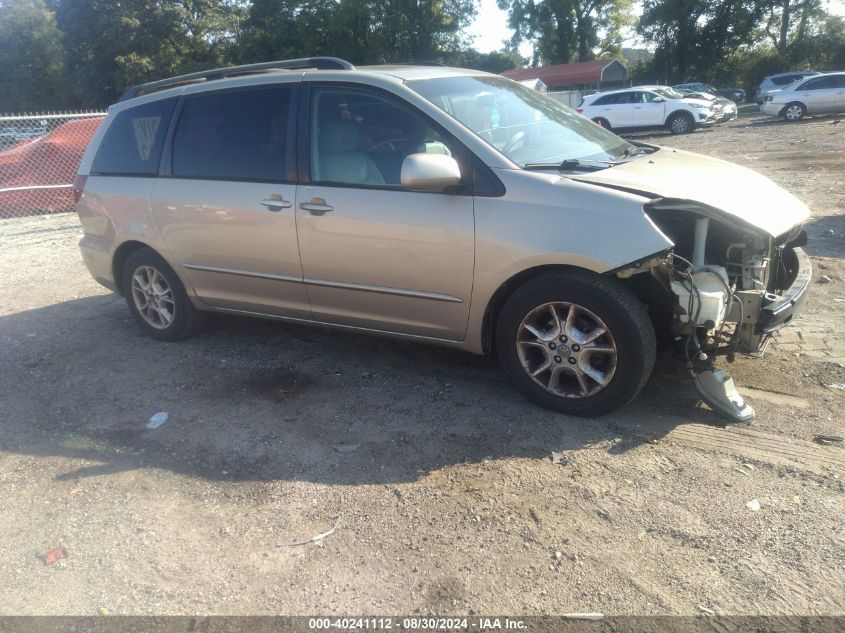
{"x":681,"y":123}
{"x":794,"y":111}
{"x":602,"y":123}
{"x":157,"y":299}
{"x":576,"y":342}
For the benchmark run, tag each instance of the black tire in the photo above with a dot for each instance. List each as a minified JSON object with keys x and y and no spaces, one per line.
{"x":680,"y":123}
{"x":602,"y":123}
{"x":623,"y":315}
{"x":186,"y":319}
{"x":796,"y":107}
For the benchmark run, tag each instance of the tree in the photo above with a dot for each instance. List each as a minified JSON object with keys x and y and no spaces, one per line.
{"x":363,"y":31}
{"x":30,"y":56}
{"x":693,"y":38}
{"x":113,"y":45}
{"x":788,"y":21}
{"x":568,"y":30}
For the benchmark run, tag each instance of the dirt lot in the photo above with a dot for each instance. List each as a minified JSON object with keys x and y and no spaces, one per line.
{"x":447,"y":497}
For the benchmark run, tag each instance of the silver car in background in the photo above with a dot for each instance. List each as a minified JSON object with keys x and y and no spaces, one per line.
{"x":820,"y":94}
{"x":439,"y":205}
{"x":780,"y":81}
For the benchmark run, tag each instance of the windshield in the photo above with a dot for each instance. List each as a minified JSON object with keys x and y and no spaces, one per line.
{"x":669,"y":93}
{"x":523,"y":124}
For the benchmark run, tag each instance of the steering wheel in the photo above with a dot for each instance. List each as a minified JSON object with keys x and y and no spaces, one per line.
{"x":519,"y":137}
{"x":390,"y":142}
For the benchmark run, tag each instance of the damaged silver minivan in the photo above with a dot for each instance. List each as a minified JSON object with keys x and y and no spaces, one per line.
{"x":441,"y":205}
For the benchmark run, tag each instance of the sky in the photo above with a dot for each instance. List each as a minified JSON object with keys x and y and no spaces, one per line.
{"x":490,"y":26}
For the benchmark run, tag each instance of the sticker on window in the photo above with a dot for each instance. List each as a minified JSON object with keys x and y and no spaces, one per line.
{"x":145,"y":134}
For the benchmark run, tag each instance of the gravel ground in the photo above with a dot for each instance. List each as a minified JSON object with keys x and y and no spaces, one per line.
{"x":438,"y":476}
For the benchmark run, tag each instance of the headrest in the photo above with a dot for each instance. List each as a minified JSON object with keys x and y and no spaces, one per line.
{"x":339,"y":136}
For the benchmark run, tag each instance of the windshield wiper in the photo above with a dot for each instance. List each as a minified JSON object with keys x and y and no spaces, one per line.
{"x":574,"y":164}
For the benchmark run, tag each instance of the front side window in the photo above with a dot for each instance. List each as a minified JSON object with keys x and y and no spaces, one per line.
{"x":132,"y":144}
{"x":235,"y":135}
{"x":361,"y":137}
{"x":523,"y":124}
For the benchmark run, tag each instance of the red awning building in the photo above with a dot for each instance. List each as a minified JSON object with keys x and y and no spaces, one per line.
{"x":593,"y":75}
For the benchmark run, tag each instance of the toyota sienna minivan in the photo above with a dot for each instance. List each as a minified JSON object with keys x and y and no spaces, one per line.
{"x":441,"y":205}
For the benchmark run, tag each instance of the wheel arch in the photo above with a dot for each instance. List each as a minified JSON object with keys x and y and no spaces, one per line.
{"x":679,"y":111}
{"x":644,"y":287}
{"x":782,"y":113}
{"x":503,"y":293}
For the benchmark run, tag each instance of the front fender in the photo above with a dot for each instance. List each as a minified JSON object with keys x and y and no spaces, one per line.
{"x":548,"y":220}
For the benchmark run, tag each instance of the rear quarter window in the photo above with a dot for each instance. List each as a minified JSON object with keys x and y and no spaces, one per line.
{"x":132,"y":144}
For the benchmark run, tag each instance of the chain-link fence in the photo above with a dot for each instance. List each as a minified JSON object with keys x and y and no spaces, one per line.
{"x":39,"y":158}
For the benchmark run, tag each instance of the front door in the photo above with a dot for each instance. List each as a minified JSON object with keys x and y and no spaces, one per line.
{"x":226,"y":208}
{"x":375,"y":254}
{"x":818,"y":94}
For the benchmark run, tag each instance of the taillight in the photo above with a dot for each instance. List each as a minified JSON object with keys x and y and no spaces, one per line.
{"x":78,"y":187}
{"x":579,"y":110}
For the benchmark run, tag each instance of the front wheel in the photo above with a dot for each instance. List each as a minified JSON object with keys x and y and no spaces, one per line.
{"x":794,"y":112}
{"x":576,"y":342}
{"x":681,"y":123}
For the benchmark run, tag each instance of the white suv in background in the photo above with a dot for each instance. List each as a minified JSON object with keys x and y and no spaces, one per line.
{"x":821,"y":94}
{"x":648,"y":106}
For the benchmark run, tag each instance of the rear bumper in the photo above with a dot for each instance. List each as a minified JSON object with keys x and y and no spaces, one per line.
{"x":778,"y":311}
{"x":98,"y":259}
{"x":771,"y":108}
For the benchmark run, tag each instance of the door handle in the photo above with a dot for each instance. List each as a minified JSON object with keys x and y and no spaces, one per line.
{"x":275,"y":205}
{"x":317,"y":206}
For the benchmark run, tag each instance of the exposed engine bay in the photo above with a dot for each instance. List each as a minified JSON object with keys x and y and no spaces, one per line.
{"x":723,"y":288}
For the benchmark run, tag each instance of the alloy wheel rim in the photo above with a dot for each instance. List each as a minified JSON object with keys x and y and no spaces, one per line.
{"x":680,"y":124}
{"x":566,"y":349}
{"x":153,"y":297}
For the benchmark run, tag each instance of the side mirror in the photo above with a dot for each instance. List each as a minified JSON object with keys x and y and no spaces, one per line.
{"x":430,"y":172}
{"x":658,"y":100}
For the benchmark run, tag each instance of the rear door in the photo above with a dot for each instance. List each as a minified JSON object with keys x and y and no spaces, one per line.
{"x":617,"y":109}
{"x":838,"y":101}
{"x":224,"y":202}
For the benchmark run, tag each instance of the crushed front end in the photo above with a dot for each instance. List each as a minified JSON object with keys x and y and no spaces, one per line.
{"x":725,"y":287}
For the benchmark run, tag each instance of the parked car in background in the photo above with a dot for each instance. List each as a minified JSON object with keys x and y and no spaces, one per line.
{"x":36,"y":175}
{"x":820,"y":94}
{"x":12,"y":135}
{"x":780,"y":81}
{"x":737,"y":95}
{"x":648,"y":107}
{"x":726,"y":110}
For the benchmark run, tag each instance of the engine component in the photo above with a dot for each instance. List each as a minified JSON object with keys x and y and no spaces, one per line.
{"x":703,"y":298}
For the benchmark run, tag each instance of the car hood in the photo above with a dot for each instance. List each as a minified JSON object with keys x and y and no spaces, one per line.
{"x":676,"y":175}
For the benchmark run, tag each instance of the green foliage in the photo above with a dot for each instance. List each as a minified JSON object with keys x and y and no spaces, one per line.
{"x":563,"y":31}
{"x":84,"y":53}
{"x":110,"y":46}
{"x":30,"y":55}
{"x":737,"y":42}
{"x":362,"y":31}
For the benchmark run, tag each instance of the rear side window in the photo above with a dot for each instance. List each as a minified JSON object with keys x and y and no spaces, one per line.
{"x":820,"y":83}
{"x":240,"y":135}
{"x":132,"y":144}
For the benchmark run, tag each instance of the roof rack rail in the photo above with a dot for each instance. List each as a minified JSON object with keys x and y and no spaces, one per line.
{"x":420,"y":63}
{"x":320,"y":63}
